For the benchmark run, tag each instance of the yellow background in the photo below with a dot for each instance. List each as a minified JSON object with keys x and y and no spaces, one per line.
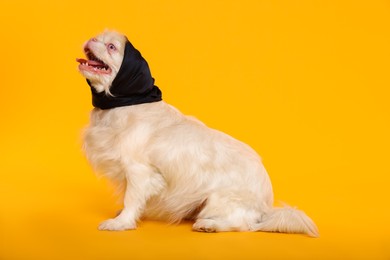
{"x":305,"y":83}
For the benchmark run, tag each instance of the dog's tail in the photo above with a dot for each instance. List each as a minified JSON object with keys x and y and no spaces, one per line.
{"x":287,"y":220}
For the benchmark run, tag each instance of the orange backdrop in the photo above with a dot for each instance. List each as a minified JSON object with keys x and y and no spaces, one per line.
{"x":305,"y":83}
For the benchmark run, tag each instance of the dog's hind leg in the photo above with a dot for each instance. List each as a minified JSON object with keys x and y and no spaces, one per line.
{"x":228,"y":211}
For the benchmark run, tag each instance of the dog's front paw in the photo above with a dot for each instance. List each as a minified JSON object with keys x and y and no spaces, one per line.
{"x":116,"y":225}
{"x":205,"y":225}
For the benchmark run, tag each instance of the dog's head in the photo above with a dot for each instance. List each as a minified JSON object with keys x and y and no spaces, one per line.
{"x":104,"y":55}
{"x":117,"y":73}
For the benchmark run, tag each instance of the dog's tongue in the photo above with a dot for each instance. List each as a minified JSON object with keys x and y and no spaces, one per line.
{"x":91,"y":62}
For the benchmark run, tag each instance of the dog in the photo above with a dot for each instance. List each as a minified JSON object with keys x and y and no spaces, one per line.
{"x":172,"y":167}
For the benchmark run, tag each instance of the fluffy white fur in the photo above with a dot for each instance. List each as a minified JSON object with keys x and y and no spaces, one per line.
{"x":174,"y":167}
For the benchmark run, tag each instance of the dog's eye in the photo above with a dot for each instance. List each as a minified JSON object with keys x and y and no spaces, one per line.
{"x":111,"y":46}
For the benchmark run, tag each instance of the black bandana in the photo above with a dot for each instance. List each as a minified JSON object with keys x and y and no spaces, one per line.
{"x":132,"y":85}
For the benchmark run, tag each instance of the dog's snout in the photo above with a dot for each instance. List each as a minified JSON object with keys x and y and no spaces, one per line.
{"x":90,"y":42}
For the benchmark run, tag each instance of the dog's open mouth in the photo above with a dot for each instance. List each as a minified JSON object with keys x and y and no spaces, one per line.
{"x":93,"y":63}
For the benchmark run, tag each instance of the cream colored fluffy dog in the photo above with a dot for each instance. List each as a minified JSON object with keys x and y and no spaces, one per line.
{"x":173,"y":167}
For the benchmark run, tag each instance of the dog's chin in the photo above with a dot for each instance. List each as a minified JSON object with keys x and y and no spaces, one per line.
{"x":100,"y":80}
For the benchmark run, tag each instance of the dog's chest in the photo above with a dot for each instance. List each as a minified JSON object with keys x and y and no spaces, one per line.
{"x":116,"y":137}
{"x":108,"y":140}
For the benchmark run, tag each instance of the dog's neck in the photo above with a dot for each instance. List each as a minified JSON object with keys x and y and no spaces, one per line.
{"x":105,"y":101}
